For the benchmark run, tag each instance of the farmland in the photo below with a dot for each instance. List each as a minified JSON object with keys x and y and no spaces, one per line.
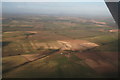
{"x":58,"y":47}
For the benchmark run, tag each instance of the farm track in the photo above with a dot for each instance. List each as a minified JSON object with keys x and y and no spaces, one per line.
{"x":33,"y":57}
{"x":30,"y":59}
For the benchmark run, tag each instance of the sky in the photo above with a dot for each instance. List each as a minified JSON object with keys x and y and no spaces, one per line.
{"x":57,"y":8}
{"x":59,"y":0}
{"x":52,"y":0}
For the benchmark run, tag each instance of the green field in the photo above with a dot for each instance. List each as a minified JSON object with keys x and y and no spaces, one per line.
{"x":56,"y":65}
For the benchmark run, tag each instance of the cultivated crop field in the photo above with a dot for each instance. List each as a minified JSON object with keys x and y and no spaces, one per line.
{"x":59,"y":47}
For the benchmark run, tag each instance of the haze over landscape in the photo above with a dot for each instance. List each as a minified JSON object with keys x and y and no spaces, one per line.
{"x":57,"y":8}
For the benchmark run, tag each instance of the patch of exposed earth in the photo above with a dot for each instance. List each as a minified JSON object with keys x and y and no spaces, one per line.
{"x":66,"y":45}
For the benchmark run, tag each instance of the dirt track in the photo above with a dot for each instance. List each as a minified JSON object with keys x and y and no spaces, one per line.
{"x":30,"y":58}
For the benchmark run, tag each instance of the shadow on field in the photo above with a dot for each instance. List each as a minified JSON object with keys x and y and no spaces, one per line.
{"x":5,"y":43}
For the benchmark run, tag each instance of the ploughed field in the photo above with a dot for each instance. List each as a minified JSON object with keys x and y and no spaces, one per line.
{"x":45,"y":46}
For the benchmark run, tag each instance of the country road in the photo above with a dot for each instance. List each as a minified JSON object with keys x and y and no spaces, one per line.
{"x":30,"y":58}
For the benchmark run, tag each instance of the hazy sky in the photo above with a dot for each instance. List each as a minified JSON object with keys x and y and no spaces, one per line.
{"x":63,"y":8}
{"x":53,"y":0}
{"x":60,"y":0}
